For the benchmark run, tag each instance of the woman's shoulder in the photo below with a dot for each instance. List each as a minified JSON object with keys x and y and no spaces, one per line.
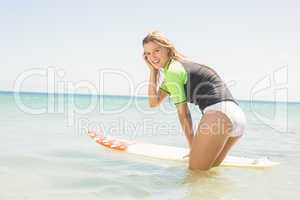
{"x":194,"y":65}
{"x":187,"y":61}
{"x":175,"y":71}
{"x":176,"y":67}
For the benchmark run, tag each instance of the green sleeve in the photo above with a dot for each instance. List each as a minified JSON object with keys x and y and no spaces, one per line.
{"x":177,"y":92}
{"x":175,"y":77}
{"x":163,"y":87}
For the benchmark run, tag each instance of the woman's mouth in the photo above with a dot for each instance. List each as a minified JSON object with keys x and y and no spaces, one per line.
{"x":156,"y":62}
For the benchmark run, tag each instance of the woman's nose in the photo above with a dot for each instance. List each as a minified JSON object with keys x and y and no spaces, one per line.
{"x":153,"y":57}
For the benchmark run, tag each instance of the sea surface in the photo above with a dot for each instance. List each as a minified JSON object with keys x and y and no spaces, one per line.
{"x":46,"y":154}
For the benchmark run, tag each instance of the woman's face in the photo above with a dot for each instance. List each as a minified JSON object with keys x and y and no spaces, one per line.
{"x":156,"y":55}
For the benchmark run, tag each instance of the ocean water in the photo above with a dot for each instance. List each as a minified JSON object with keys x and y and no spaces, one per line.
{"x":46,"y":154}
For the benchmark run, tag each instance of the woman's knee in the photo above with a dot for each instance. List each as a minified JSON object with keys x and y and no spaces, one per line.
{"x":203,"y":167}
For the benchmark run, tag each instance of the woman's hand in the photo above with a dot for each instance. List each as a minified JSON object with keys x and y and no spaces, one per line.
{"x":152,"y":69}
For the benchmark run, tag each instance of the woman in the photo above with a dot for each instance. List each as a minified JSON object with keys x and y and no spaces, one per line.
{"x":222,"y":123}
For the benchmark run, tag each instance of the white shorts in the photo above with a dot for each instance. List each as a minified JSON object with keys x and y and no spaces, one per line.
{"x":234,"y":113}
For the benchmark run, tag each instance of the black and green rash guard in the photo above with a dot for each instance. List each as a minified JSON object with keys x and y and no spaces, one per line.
{"x":187,"y":81}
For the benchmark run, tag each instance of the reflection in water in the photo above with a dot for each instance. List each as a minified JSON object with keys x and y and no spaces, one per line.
{"x":211,"y":184}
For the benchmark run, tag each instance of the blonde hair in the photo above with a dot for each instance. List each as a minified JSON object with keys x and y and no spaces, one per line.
{"x":162,"y":40}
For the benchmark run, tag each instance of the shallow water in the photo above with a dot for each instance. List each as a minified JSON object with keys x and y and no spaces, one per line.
{"x":49,"y":156}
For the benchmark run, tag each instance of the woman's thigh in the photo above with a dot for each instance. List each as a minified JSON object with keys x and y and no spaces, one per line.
{"x":229,"y":144}
{"x":209,"y":140}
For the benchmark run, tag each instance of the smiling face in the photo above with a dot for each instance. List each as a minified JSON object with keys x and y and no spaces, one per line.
{"x":156,"y":55}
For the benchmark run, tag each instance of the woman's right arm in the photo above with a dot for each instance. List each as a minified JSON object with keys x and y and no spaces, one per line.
{"x":155,"y":97}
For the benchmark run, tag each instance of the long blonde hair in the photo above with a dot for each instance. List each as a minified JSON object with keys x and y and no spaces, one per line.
{"x":160,"y":39}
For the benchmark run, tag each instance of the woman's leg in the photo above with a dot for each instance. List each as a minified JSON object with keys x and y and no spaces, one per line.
{"x":210,"y":139}
{"x":230,"y":142}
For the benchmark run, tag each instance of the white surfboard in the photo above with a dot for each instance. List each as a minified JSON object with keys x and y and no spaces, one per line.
{"x":173,"y":153}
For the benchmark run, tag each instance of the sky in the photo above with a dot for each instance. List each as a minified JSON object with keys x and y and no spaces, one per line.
{"x":95,"y":46}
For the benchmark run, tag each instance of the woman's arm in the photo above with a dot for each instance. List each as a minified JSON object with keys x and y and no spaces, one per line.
{"x":185,"y":119}
{"x":155,"y":97}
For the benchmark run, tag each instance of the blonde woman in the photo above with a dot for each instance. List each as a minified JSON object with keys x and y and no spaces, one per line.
{"x":222,"y":123}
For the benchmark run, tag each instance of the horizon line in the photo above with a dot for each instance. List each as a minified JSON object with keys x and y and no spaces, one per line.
{"x":115,"y":95}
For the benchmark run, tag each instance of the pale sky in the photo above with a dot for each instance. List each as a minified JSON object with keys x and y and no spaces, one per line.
{"x":254,"y":45}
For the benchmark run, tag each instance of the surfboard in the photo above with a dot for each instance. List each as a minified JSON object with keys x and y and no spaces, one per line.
{"x":172,"y":153}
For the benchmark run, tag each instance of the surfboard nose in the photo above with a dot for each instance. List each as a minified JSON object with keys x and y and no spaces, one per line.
{"x":111,"y":143}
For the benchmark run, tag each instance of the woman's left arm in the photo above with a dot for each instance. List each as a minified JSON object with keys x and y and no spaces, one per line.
{"x":185,"y":119}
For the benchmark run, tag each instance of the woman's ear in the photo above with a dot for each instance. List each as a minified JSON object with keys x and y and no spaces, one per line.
{"x":170,"y":53}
